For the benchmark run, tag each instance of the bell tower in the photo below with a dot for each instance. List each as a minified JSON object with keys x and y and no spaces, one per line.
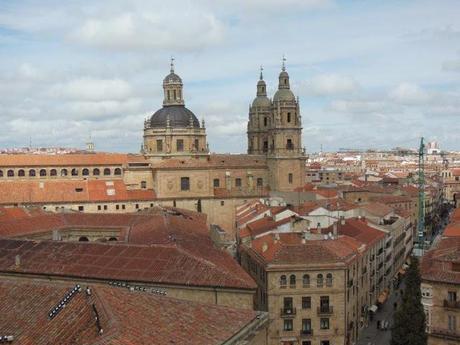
{"x":259,"y":120}
{"x":286,"y":157}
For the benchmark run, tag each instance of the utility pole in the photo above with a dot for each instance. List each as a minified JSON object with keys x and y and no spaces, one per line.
{"x":421,"y":199}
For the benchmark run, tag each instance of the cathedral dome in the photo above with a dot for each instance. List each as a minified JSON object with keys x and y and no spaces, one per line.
{"x":261,"y":102}
{"x":178,"y":115}
{"x":284,"y":95}
{"x":172,"y":78}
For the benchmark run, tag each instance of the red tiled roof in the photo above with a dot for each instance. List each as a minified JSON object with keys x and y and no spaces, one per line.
{"x":87,"y":159}
{"x":377,"y":209}
{"x":265,"y":224}
{"x":452,"y":230}
{"x":126,"y":317}
{"x":442,"y":264}
{"x":289,"y":249}
{"x":169,"y":263}
{"x":50,"y":191}
{"x":359,"y":230}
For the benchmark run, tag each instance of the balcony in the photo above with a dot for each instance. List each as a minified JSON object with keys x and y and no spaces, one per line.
{"x":445,"y":333}
{"x":288,"y":312}
{"x":325,"y":310}
{"x":451,"y":304}
{"x":306,"y":333}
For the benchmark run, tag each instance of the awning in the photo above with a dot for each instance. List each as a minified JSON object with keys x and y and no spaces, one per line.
{"x":373,"y":308}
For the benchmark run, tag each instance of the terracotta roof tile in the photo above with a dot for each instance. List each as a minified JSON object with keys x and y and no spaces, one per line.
{"x":126,"y":317}
{"x":49,"y":191}
{"x":72,"y":159}
{"x":169,"y":263}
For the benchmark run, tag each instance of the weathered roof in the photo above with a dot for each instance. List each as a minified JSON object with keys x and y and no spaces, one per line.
{"x":178,"y":115}
{"x":125,"y":317}
{"x":50,"y":191}
{"x":70,"y":159}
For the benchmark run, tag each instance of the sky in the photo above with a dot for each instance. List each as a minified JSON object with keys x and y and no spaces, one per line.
{"x":368,"y":73}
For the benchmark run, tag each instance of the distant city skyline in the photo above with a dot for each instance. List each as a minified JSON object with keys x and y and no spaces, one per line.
{"x":368,"y":74}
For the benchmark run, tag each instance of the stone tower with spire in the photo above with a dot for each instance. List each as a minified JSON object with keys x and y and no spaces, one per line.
{"x":275,"y":130}
{"x":259,"y":120}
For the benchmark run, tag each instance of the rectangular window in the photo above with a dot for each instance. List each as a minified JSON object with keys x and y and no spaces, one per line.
{"x":260,"y":182}
{"x":216,"y":183}
{"x":117,"y":207}
{"x":288,"y":325}
{"x":81,"y":208}
{"x":238,"y":182}
{"x":265,"y":121}
{"x":197,"y":144}
{"x":105,"y":207}
{"x":179,"y":145}
{"x":306,"y":325}
{"x":99,"y":207}
{"x":452,"y":296}
{"x":452,"y":319}
{"x":324,"y":323}
{"x":265,"y":149}
{"x":288,"y":117}
{"x":306,"y":342}
{"x":123,"y":207}
{"x":143,"y":184}
{"x":222,"y":203}
{"x":159,"y":145}
{"x":289,"y":144}
{"x":184,"y":183}
{"x":306,"y":302}
{"x":290,"y":178}
{"x":137,"y":206}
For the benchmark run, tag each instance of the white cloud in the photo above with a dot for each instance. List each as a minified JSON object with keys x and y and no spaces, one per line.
{"x":410,"y":94}
{"x":91,"y":89}
{"x":359,"y":106}
{"x":171,"y":31}
{"x":332,"y":84}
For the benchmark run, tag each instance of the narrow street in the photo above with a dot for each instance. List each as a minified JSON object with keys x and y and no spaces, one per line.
{"x":374,"y":336}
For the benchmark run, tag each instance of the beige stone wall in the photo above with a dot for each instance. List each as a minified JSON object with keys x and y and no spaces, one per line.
{"x":336,"y":294}
{"x":60,"y":172}
{"x":169,"y":137}
{"x":280,"y":170}
{"x":134,"y":177}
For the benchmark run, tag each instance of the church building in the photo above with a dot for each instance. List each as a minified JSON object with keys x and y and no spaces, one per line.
{"x":175,"y":166}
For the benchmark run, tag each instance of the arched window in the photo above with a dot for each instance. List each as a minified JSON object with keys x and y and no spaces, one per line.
{"x":319,"y":280}
{"x":21,"y":173}
{"x":74,"y":172}
{"x":53,"y":172}
{"x":292,"y":281}
{"x":42,"y":172}
{"x":85,"y":172}
{"x":1,"y":173}
{"x":306,"y":280}
{"x":283,"y":281}
{"x":32,"y":172}
{"x":96,"y":172}
{"x":106,"y":171}
{"x":10,"y":173}
{"x":63,"y":172}
{"x":113,"y":239}
{"x":117,"y":171}
{"x":329,"y":279}
{"x":83,"y":239}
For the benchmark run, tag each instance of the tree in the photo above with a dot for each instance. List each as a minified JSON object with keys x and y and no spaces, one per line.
{"x":409,"y":319}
